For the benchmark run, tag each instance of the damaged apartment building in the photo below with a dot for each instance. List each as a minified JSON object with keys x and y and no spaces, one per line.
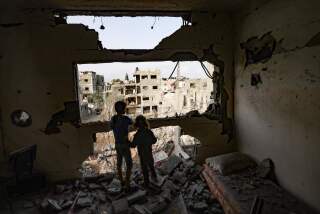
{"x":259,"y":137}
{"x":157,"y":97}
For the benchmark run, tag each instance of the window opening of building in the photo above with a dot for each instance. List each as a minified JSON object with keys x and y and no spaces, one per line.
{"x":146,"y":110}
{"x":187,"y":89}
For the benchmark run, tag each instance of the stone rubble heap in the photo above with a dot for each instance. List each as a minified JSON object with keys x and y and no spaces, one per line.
{"x":179,"y":189}
{"x":170,"y":141}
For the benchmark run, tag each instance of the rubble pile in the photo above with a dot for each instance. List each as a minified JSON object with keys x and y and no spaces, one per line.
{"x":178,"y":189}
{"x":179,"y":182}
{"x":170,"y":141}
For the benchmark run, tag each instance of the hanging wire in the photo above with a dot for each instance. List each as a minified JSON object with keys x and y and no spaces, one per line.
{"x":102,"y":26}
{"x":206,"y":71}
{"x":154,"y":23}
{"x":175,"y":67}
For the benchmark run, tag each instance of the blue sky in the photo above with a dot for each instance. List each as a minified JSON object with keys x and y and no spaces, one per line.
{"x":134,"y":33}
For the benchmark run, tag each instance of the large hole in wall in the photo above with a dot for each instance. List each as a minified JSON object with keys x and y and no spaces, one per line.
{"x":153,"y":89}
{"x":170,"y":141}
{"x":130,"y":32}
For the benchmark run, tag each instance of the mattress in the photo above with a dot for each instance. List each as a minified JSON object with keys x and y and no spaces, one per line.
{"x":242,"y":192}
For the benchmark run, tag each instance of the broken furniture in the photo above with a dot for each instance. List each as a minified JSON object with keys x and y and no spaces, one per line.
{"x":248,"y":189}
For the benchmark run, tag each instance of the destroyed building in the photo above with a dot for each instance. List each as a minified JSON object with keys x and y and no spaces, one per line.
{"x":157,"y":97}
{"x":266,"y":54}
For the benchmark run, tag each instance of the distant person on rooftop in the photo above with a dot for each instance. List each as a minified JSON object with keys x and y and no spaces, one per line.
{"x":144,"y":139}
{"x":120,"y":125}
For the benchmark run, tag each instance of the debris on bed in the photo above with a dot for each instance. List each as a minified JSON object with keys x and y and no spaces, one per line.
{"x":244,"y":186}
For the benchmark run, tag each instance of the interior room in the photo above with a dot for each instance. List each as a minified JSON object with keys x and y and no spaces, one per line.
{"x":252,"y":122}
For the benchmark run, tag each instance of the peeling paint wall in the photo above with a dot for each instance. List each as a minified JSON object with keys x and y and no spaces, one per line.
{"x":37,"y":75}
{"x":279,"y":117}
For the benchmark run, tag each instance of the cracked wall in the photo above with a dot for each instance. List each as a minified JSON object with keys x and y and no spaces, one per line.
{"x":277,"y":119}
{"x":37,"y":75}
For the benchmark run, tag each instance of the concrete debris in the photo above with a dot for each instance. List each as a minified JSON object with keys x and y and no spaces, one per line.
{"x":170,"y":142}
{"x":66,"y":204}
{"x":94,"y":186}
{"x":114,"y":187}
{"x":178,"y":188}
{"x":200,"y":206}
{"x":140,"y":209}
{"x":167,"y":167}
{"x":157,"y":206}
{"x":120,"y":206}
{"x":178,"y":206}
{"x":84,"y":202}
{"x":160,"y":156}
{"x":187,"y":140}
{"x":54,"y":205}
{"x":137,"y":196}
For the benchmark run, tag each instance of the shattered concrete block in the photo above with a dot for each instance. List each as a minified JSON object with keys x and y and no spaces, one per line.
{"x":84,"y":202}
{"x":53,"y":204}
{"x":157,"y":206}
{"x":114,"y":187}
{"x":160,"y":180}
{"x":66,"y":204}
{"x":200,"y":206}
{"x":166,"y":194}
{"x":94,"y":186}
{"x":170,"y":185}
{"x":160,"y":156}
{"x":120,"y":206}
{"x":82,"y":194}
{"x":179,"y":177}
{"x":85,"y":211}
{"x":216,"y":210}
{"x":100,"y":195}
{"x":178,"y":206}
{"x":140,"y":209}
{"x":137,"y":196}
{"x":168,"y":166}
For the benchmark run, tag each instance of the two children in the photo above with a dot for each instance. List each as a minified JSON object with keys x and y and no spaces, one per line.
{"x":143,"y":139}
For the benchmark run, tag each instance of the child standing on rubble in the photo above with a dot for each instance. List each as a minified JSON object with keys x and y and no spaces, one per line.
{"x":120,"y":126}
{"x":144,"y":139}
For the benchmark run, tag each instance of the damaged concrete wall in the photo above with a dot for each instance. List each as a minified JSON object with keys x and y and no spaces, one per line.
{"x":277,"y":84}
{"x":37,"y":76}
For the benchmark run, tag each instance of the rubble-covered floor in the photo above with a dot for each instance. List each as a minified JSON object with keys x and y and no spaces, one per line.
{"x":180,"y":189}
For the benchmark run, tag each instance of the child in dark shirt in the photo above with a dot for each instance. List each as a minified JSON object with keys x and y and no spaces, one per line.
{"x":120,"y":126}
{"x":144,"y":139}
